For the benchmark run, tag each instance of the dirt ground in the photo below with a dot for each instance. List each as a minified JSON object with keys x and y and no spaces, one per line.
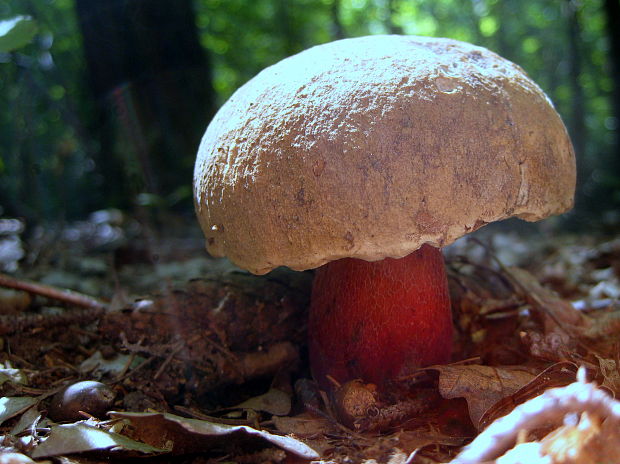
{"x":132,"y":343}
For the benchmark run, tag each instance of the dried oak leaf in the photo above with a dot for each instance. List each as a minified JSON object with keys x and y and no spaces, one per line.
{"x":556,"y":375}
{"x":481,"y":386}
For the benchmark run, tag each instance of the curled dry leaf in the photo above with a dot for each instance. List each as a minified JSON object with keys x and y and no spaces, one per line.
{"x":481,"y":386}
{"x":182,"y":435}
{"x":557,"y":375}
{"x":555,"y":407}
{"x":14,"y":458}
{"x":585,"y":442}
{"x":572,"y":443}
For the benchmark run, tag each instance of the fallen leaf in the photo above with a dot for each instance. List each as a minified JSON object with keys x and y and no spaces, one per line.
{"x":609,"y":369}
{"x":556,"y":407}
{"x":275,"y":402}
{"x":13,"y":375}
{"x":81,"y":436}
{"x":312,"y":428}
{"x":118,"y":364}
{"x":185,"y":435}
{"x":304,"y":425}
{"x":15,"y":458}
{"x":28,"y":417}
{"x":415,"y":439}
{"x":557,"y":375}
{"x":11,"y":406}
{"x":555,"y":345}
{"x":481,"y":386}
{"x":554,"y":310}
{"x":569,"y":442}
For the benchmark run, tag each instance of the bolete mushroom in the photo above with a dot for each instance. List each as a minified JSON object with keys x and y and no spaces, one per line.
{"x":363,"y":157}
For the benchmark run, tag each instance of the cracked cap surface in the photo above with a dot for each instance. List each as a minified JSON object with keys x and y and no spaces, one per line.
{"x":371,"y":147}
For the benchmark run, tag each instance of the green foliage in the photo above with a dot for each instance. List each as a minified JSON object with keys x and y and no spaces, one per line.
{"x":16,"y":32}
{"x":46,"y":168}
{"x":45,"y":111}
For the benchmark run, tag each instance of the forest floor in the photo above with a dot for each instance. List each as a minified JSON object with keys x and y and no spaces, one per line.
{"x":161,"y":353}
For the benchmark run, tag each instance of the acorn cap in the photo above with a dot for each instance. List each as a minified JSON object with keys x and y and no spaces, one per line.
{"x":371,"y":147}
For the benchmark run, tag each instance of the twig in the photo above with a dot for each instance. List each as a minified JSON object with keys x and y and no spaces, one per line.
{"x":213,"y":419}
{"x":67,"y":296}
{"x":134,"y":370}
{"x":533,"y":292}
{"x":18,"y":323}
{"x":127,"y":365}
{"x":169,"y":359}
{"x":222,"y":349}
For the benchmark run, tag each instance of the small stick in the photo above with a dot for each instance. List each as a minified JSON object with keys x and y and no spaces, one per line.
{"x":66,"y":296}
{"x":168,"y":359}
{"x":10,"y":324}
{"x":128,"y":374}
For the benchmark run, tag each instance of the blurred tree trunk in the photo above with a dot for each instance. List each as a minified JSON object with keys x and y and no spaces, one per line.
{"x":499,"y":11}
{"x":612,"y":11}
{"x":337,"y":29}
{"x":152,"y":83}
{"x":577,"y":117}
{"x":291,"y":39}
{"x":392,"y":27}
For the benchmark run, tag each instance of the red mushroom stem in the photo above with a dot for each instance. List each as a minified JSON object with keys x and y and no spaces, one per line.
{"x":376,"y":321}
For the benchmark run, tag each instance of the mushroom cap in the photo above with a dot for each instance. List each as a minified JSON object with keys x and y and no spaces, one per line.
{"x":370,"y":147}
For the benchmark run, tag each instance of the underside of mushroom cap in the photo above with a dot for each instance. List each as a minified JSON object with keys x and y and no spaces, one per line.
{"x":371,"y":147}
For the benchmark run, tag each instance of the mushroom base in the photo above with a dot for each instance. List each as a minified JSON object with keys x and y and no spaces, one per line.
{"x":376,"y":321}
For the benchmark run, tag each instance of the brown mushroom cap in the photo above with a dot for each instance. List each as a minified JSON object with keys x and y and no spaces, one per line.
{"x":371,"y":147}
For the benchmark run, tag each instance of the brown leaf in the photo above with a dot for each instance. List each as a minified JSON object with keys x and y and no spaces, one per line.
{"x":415,"y":439}
{"x":557,"y":375}
{"x":555,"y":407}
{"x":274,"y":402}
{"x":481,"y":386}
{"x":569,"y":443}
{"x":304,"y":425}
{"x":15,"y":458}
{"x":555,"y":345}
{"x":553,"y":310}
{"x":183,"y":435}
{"x":611,"y":374}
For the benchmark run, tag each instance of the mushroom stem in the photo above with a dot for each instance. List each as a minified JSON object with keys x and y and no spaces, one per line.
{"x":376,"y":321}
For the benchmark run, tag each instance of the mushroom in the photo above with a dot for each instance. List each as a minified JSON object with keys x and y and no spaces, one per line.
{"x":362,"y":158}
